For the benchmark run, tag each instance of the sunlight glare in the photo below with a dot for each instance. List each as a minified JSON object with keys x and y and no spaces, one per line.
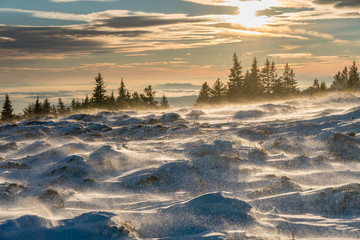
{"x":248,"y":10}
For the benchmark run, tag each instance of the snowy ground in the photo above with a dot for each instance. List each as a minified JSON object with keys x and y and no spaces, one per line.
{"x":266,"y":171}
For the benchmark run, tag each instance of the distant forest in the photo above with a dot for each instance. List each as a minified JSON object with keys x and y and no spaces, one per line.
{"x":257,"y":84}
{"x":261,"y":84}
{"x":98,"y":100}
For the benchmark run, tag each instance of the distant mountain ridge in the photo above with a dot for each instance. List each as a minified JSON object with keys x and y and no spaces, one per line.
{"x":177,"y":86}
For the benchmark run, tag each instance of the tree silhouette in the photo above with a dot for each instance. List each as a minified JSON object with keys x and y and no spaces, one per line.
{"x":99,"y":98}
{"x":290,"y":84}
{"x":7,"y":113}
{"x":38,"y":106}
{"x":149,"y":97}
{"x":204,"y":95}
{"x":267,"y":78}
{"x":46,"y":107}
{"x":354,"y":81}
{"x":61,"y":107}
{"x":164,"y":103}
{"x":252,"y":83}
{"x":236,"y":79}
{"x":218,"y":91}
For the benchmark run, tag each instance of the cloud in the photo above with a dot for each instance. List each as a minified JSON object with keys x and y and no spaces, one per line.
{"x":291,"y":55}
{"x":339,"y":3}
{"x":57,"y":1}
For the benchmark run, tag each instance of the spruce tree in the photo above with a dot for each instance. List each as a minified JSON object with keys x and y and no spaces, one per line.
{"x":164,"y":103}
{"x":252,"y":85}
{"x":7,"y":113}
{"x":86,"y":103}
{"x":354,"y":81}
{"x":204,"y":95}
{"x":99,"y":98}
{"x":38,"y":106}
{"x":136,"y":100}
{"x":46,"y":109}
{"x":123,"y":97}
{"x":236,"y":79}
{"x":290,"y":84}
{"x":149,"y":97}
{"x":61,"y":109}
{"x":111,"y":101}
{"x":266,"y":78}
{"x":218,"y":91}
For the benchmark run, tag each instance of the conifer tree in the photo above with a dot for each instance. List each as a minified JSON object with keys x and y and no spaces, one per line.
{"x":123,"y":96}
{"x":61,"y":107}
{"x":111,"y":100}
{"x":323,"y":86}
{"x":266,"y":78}
{"x":46,"y":109}
{"x":218,"y":91}
{"x":164,"y":103}
{"x":204,"y":95}
{"x":149,"y":97}
{"x":38,"y":106}
{"x":86,"y":103}
{"x":99,"y":98}
{"x":290,"y":84}
{"x":252,"y":85}
{"x":29,"y":110}
{"x":136,"y":100}
{"x":236,"y":79}
{"x":7,"y":113}
{"x":354,"y":81}
{"x":275,"y":81}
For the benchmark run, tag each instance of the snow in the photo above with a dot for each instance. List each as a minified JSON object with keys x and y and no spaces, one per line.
{"x":261,"y":171}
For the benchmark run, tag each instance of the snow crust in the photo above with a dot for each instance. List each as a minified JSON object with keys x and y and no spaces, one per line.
{"x":263,"y":171}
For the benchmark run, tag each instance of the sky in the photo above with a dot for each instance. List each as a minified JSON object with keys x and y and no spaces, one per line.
{"x":61,"y":45}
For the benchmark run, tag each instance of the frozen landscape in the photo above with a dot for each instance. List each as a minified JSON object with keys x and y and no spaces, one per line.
{"x":281,"y":170}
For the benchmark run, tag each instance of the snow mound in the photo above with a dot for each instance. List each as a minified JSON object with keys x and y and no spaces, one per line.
{"x":282,"y":185}
{"x":250,"y":114}
{"x":344,"y":148}
{"x":93,"y":225}
{"x":218,"y":147}
{"x":304,"y":162}
{"x":170,"y":118}
{"x":10,"y":191}
{"x":106,"y":158}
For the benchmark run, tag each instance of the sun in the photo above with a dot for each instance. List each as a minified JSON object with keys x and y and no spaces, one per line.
{"x":248,"y":12}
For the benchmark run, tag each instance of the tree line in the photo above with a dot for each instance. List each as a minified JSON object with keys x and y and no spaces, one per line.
{"x":98,"y":99}
{"x":265,"y":83}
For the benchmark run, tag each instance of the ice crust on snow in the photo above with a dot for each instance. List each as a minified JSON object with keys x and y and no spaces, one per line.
{"x":262,"y":171}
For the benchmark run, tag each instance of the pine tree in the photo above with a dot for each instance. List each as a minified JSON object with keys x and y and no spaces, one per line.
{"x":252,"y":85}
{"x":275,"y":82}
{"x":61,"y":109}
{"x":236,"y":79}
{"x":38,"y":106}
{"x":218,"y":91}
{"x":123,"y":97}
{"x":266,"y":78}
{"x":99,"y":98}
{"x":29,"y":110}
{"x":354,"y":81}
{"x":323,"y":86}
{"x":75,"y":105}
{"x":46,"y":109}
{"x":86,"y":103}
{"x":164,"y":103}
{"x":149,"y":97}
{"x":136,"y":100}
{"x":7,"y":113}
{"x":111,"y":101}
{"x":204,"y":95}
{"x":290,"y":84}
{"x":316,"y":84}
